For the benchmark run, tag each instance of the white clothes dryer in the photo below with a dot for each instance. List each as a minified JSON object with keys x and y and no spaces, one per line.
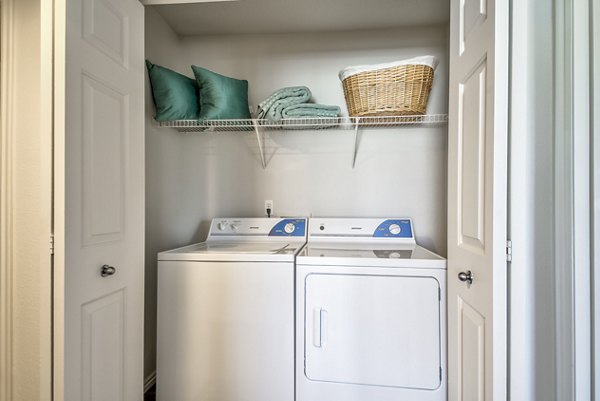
{"x":370,"y":313}
{"x":226,"y":313}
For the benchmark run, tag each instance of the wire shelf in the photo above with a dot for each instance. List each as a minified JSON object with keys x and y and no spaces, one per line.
{"x":430,"y":120}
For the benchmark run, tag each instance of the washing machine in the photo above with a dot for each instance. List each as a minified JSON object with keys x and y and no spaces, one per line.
{"x":370,"y":313}
{"x":226,"y":313}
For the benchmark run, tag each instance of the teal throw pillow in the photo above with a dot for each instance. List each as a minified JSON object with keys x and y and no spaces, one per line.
{"x":175,"y":95}
{"x":221,"y":97}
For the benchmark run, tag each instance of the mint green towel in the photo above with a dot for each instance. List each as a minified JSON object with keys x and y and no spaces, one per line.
{"x":309,"y":110}
{"x":272,"y":107}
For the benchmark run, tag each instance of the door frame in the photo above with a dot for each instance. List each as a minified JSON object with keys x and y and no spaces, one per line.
{"x":6,"y":197}
{"x":595,"y":109}
{"x":59,"y":28}
{"x":565,"y":368}
{"x":572,"y":177}
{"x":26,"y":199}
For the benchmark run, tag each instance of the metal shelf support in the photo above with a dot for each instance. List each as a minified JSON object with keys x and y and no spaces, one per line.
{"x":261,"y":148}
{"x":356,"y":140}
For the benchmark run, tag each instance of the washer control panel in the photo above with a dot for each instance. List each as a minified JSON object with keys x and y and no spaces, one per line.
{"x":258,"y":227}
{"x":289,"y":228}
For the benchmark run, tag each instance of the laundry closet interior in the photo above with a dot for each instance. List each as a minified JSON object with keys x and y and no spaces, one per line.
{"x":191,"y":177}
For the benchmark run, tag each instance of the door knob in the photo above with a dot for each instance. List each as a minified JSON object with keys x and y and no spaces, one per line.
{"x":107,"y":270}
{"x":466,"y":277}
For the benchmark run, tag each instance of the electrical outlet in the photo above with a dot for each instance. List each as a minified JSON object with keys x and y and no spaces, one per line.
{"x":269,"y":205}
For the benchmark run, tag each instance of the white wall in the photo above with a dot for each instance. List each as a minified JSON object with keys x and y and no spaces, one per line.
{"x":163,"y":170}
{"x":399,"y":172}
{"x":193,"y":177}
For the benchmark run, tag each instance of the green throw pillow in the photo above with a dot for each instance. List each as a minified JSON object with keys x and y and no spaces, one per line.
{"x":175,"y":95}
{"x":221,"y":97}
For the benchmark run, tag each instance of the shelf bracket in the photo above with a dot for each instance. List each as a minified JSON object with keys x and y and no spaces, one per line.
{"x":259,"y":139}
{"x":356,"y":140}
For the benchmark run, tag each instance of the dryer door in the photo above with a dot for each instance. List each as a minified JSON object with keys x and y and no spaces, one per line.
{"x":373,"y":330}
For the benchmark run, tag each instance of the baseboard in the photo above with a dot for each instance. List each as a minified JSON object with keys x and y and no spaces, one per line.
{"x":149,"y":381}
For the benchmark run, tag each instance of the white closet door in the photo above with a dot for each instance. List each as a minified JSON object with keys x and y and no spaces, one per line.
{"x":373,"y":330}
{"x":477,"y":193}
{"x":104,"y":200}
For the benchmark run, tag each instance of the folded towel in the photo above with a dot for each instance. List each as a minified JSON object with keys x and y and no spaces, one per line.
{"x":272,"y":107}
{"x":308,"y":110}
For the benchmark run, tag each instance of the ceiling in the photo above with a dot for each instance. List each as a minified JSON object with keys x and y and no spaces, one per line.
{"x":269,"y":16}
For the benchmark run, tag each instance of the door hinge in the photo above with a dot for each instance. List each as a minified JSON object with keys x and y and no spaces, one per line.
{"x":508,"y":250}
{"x":52,"y":245}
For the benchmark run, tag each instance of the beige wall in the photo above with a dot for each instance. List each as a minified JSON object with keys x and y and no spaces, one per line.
{"x":26,"y":198}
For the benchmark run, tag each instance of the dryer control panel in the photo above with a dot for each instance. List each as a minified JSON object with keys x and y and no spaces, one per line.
{"x":398,"y":229}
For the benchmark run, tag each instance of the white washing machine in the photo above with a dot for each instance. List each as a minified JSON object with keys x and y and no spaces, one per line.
{"x":370,"y":314}
{"x":226,"y":313}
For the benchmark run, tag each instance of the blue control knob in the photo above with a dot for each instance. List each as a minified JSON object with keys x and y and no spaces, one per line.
{"x":289,"y":228}
{"x":395,"y":229}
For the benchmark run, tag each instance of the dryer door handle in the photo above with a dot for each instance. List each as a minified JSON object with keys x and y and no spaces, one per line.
{"x":319,"y":327}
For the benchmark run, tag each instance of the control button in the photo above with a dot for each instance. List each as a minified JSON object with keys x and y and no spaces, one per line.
{"x":289,"y":228}
{"x":321,"y":228}
{"x":235,"y":227}
{"x":394,"y":255}
{"x":394,"y":229}
{"x":222,"y":226}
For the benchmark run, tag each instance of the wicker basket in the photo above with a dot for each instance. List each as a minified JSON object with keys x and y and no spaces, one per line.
{"x":393,"y":91}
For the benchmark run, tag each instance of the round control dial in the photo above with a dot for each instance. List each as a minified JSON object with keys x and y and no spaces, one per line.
{"x":235,"y":227}
{"x":395,"y":229}
{"x":289,"y":228}
{"x":222,"y":226}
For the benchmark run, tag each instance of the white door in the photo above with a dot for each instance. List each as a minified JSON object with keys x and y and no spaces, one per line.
{"x":477,"y":174}
{"x":104,"y":200}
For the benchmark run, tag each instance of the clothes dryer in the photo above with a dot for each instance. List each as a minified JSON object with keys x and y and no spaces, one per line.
{"x":370,"y":313}
{"x":226,"y":313}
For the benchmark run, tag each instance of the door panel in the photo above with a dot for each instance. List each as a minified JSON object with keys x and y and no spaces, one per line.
{"x":103,"y":342}
{"x":106,"y":27}
{"x":477,"y":193}
{"x":472,"y":14}
{"x":373,"y":330}
{"x":472,"y":92}
{"x":105,"y":112}
{"x":104,"y":200}
{"x":472,"y":352}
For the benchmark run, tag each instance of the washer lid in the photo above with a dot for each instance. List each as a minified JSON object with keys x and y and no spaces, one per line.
{"x":369,"y":254}
{"x":235,"y":251}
